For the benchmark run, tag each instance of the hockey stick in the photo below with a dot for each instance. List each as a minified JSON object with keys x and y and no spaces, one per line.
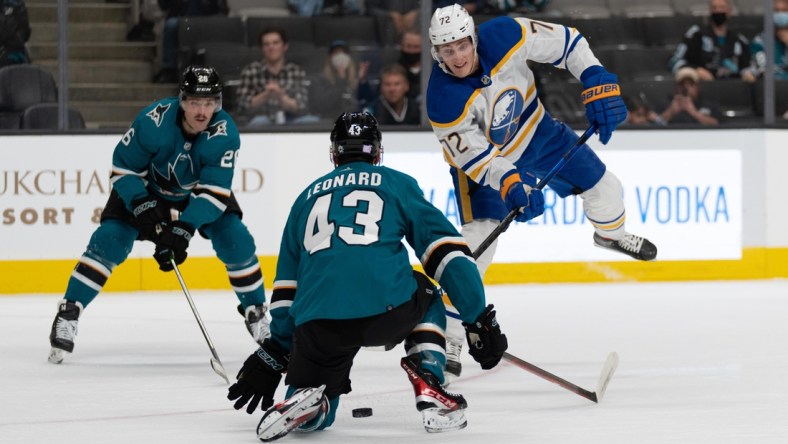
{"x":504,"y":225}
{"x":216,"y":364}
{"x":604,"y":378}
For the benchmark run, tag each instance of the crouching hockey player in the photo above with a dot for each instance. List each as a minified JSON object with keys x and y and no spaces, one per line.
{"x":177,"y":157}
{"x":344,"y":281}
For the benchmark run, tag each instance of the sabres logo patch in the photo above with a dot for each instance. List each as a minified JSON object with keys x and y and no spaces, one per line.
{"x":505,"y":119}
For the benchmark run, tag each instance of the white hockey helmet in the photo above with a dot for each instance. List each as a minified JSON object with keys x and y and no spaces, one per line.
{"x":449,"y":24}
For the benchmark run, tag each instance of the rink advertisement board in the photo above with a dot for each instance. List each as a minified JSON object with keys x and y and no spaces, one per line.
{"x":675,"y":198}
{"x":52,"y":189}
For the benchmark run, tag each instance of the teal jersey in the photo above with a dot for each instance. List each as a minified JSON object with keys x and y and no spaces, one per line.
{"x":342,"y":255}
{"x":155,"y":157}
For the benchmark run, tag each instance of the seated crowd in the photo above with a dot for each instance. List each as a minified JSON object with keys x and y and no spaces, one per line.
{"x":272,"y":79}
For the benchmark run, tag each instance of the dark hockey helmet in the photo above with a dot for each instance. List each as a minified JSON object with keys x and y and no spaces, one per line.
{"x":201,"y":81}
{"x":356,"y":137}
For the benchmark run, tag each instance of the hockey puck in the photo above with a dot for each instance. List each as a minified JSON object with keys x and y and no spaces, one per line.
{"x":362,"y":412}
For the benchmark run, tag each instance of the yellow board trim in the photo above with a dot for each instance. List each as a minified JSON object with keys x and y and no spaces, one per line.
{"x":51,"y":276}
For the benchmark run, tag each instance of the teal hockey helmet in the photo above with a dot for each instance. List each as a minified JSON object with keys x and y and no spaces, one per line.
{"x":356,"y":137}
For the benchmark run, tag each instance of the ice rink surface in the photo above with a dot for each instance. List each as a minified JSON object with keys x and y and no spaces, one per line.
{"x":701,"y":362}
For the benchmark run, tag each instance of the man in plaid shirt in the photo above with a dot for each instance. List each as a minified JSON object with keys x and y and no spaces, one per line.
{"x":274,"y":90}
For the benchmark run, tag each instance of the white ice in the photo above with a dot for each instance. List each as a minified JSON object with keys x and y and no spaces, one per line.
{"x":701,"y":362}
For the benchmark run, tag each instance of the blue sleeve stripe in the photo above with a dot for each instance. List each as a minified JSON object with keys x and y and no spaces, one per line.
{"x":566,"y":43}
{"x":572,"y":47}
{"x":484,"y":154}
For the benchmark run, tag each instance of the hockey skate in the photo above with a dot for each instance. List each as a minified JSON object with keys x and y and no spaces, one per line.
{"x":307,"y":404}
{"x":453,"y":361}
{"x":256,"y":323}
{"x":441,"y":411}
{"x":638,"y":247}
{"x":64,"y":330}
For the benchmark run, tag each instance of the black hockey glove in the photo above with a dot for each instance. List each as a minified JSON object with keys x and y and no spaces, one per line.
{"x":259,"y":377}
{"x":486,"y":343}
{"x":172,"y":241}
{"x":148,"y":212}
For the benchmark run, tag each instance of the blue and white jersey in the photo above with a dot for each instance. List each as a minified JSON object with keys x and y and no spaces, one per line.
{"x":155,"y":157}
{"x":486,"y":121}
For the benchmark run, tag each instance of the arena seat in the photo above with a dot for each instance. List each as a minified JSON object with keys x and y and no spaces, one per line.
{"x":46,"y":116}
{"x":22,"y":86}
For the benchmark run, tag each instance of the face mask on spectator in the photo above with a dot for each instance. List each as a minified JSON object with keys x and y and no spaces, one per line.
{"x":719,"y":18}
{"x":781,"y":19}
{"x":411,"y":58}
{"x":340,"y":60}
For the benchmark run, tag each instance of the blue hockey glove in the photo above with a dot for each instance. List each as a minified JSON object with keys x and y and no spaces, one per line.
{"x":602,"y":98}
{"x":259,"y":377}
{"x":486,"y":343}
{"x":519,"y":193}
{"x":172,"y":241}
{"x":148,"y":212}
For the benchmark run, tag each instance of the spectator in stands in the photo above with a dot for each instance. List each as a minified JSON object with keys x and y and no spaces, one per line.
{"x":274,"y":90}
{"x":410,"y":59}
{"x":713,"y":50}
{"x":404,"y":14}
{"x":14,"y":32}
{"x":176,"y":9}
{"x":688,"y":105}
{"x":393,"y":106}
{"x":639,"y":113}
{"x":335,"y":91}
{"x":780,"y":44}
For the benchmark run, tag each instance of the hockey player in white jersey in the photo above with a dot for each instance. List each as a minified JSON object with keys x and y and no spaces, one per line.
{"x":498,"y":138}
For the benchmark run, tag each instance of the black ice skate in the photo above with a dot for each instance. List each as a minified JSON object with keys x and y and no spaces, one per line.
{"x":256,"y":323}
{"x":64,"y":330}
{"x":441,"y":411}
{"x":453,"y":361}
{"x":307,"y":404}
{"x":638,"y":247}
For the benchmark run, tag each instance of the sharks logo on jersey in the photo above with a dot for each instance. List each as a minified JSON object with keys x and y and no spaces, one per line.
{"x":217,"y":129}
{"x":157,"y":113}
{"x":170,"y":184}
{"x":505,"y":119}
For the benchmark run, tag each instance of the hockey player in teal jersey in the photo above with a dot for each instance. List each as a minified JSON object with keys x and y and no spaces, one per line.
{"x":498,"y":138}
{"x":344,"y":281}
{"x":171,"y":175}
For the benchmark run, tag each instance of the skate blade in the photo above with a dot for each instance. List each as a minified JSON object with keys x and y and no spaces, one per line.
{"x":438,"y":420}
{"x":276,"y":424}
{"x":56,"y":355}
